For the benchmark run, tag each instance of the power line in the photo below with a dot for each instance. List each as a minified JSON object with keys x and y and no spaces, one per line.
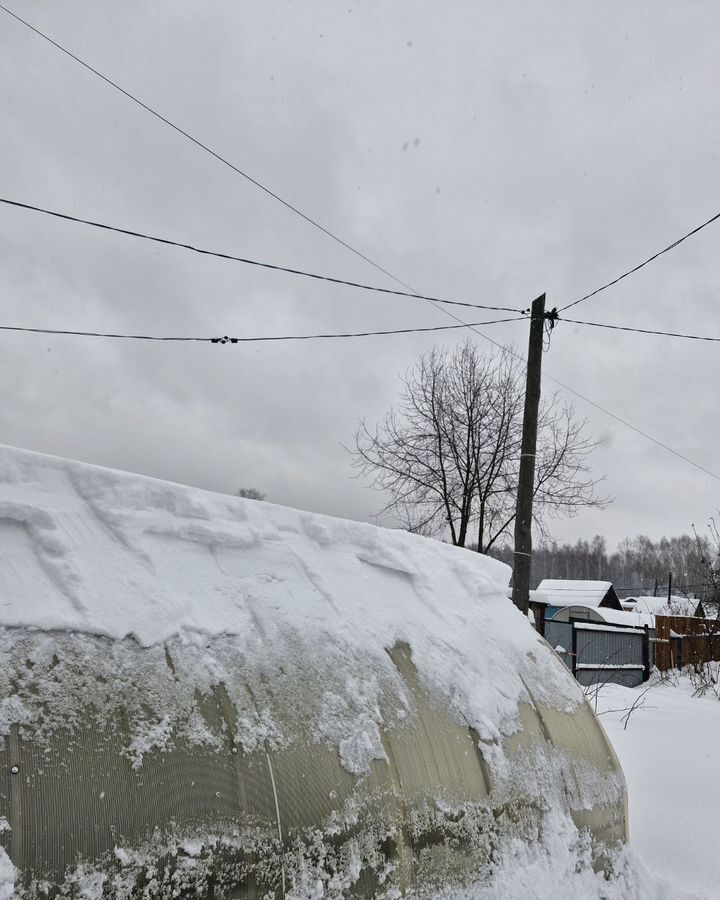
{"x":250,"y":262}
{"x":329,"y":278}
{"x":677,"y":334}
{"x":254,"y":339}
{"x":202,"y":146}
{"x":643,"y":264}
{"x":634,"y":428}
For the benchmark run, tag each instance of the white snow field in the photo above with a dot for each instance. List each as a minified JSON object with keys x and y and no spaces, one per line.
{"x":129,"y":606}
{"x":670,"y":754}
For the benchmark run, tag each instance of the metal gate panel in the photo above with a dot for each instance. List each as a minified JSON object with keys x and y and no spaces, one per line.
{"x":609,"y":656}
{"x":560,"y":635}
{"x":618,"y":647}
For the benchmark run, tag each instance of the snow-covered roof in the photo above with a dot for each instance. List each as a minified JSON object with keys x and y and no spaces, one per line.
{"x":627,"y":618}
{"x":602,"y":614}
{"x":651,"y":605}
{"x":678,"y":605}
{"x":566,"y":592}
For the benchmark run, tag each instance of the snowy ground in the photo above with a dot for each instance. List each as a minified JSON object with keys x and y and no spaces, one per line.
{"x":670,"y":753}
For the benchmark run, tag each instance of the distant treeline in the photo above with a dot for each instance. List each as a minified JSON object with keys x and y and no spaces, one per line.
{"x":638,"y":566}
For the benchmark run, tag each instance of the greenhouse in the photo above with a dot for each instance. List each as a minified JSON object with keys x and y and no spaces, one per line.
{"x":210,"y":696}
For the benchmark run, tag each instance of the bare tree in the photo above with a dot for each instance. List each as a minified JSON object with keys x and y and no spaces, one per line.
{"x":709,"y":550}
{"x":447,"y":456}
{"x":250,"y":493}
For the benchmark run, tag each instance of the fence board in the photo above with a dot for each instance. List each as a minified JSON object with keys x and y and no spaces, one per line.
{"x":685,"y":640}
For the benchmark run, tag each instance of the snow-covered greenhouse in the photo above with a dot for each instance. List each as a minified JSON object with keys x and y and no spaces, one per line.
{"x":205,"y":696}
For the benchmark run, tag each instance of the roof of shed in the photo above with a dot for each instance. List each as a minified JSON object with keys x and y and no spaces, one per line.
{"x":566,"y":592}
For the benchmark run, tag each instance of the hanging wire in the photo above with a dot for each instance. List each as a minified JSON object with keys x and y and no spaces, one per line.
{"x":250,"y":262}
{"x":225,"y":339}
{"x":643,"y":264}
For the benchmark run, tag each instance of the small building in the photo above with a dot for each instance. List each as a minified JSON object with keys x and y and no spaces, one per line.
{"x":562,"y":592}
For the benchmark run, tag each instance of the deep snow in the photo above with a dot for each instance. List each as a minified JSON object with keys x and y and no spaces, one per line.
{"x":670,"y":753}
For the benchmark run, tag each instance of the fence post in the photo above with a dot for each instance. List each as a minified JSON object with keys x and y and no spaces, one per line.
{"x":646,"y":653}
{"x":573,"y":655}
{"x":540,"y":619}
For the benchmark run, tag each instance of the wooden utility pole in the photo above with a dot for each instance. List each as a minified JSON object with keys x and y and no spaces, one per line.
{"x":526,"y":481}
{"x":669,"y":587}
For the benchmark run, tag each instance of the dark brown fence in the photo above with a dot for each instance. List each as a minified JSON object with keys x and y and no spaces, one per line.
{"x":685,"y":641}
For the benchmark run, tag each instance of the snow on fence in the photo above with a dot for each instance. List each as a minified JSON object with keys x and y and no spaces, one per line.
{"x":597,"y":653}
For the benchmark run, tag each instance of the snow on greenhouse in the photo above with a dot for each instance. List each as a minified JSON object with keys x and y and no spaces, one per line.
{"x":210,"y":696}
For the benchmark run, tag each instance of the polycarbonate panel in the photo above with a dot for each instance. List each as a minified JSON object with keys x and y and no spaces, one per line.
{"x":75,"y":795}
{"x":420,"y":813}
{"x":434,"y":752}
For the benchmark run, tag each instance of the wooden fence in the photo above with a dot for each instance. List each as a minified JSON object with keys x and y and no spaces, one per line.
{"x":685,"y":641}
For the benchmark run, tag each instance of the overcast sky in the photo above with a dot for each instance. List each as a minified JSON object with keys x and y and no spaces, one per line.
{"x":480,"y":151}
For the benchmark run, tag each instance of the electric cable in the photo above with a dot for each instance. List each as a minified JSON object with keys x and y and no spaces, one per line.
{"x":643,"y":264}
{"x":634,"y":428}
{"x":224,"y":339}
{"x":250,"y":262}
{"x":676,"y":334}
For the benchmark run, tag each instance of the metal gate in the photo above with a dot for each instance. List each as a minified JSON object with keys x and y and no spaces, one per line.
{"x":601,"y":654}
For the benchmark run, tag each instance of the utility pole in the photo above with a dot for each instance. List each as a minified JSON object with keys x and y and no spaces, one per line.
{"x":669,"y":587}
{"x":526,"y":482}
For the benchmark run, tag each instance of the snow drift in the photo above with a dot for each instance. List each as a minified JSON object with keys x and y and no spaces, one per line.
{"x":201,"y":695}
